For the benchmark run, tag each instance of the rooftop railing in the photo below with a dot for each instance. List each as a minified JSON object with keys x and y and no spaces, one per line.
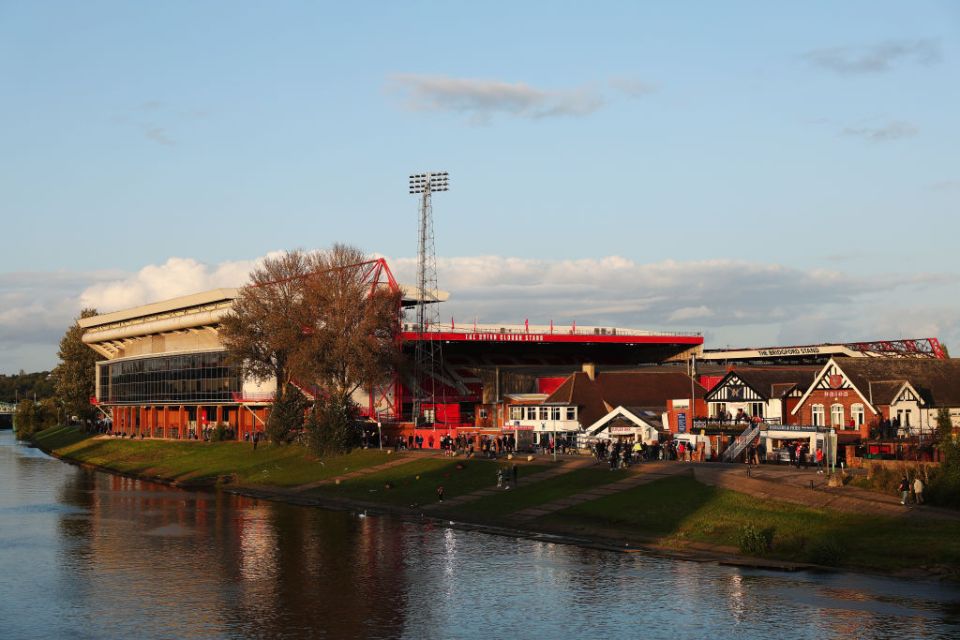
{"x":551,"y":329}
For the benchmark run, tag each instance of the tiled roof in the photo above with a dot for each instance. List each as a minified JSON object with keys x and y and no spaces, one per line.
{"x":596,"y":398}
{"x":775,"y":382}
{"x":937,"y":381}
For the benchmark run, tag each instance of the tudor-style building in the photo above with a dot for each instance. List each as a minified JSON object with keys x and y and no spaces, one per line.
{"x":585,"y":397}
{"x":854,"y":395}
{"x":765,"y":393}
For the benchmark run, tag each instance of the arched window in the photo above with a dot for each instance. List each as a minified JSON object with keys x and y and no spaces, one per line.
{"x":836,"y":416}
{"x":816,"y":413}
{"x":856,"y":412}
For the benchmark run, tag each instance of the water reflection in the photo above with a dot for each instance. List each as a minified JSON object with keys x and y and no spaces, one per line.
{"x":86,"y":554}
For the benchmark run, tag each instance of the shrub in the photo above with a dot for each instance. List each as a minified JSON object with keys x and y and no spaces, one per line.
{"x":286,"y":416}
{"x":755,"y":541}
{"x":828,"y":552}
{"x":332,"y":427}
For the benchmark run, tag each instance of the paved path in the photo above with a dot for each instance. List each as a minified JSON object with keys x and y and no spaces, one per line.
{"x":638,"y":475}
{"x":561,"y":468}
{"x":399,"y":460}
{"x":807,"y":488}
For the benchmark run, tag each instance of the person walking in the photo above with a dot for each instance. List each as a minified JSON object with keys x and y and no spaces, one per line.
{"x":918,"y":489}
{"x":440,"y":493}
{"x":904,"y":490}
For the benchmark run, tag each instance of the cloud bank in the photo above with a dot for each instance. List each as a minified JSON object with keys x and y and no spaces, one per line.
{"x":734,"y":302}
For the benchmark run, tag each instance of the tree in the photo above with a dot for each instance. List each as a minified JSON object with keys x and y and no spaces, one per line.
{"x":351,"y":340}
{"x":944,"y":425}
{"x":314,"y":321}
{"x":26,"y":419}
{"x":286,"y":415}
{"x":74,"y":376}
{"x":266,"y":323}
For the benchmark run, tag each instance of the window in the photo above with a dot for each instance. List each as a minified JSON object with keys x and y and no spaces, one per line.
{"x":483,"y":414}
{"x":856,"y":412}
{"x":516,"y":413}
{"x":756,"y":409}
{"x":200,"y":377}
{"x":531,"y":413}
{"x":555,"y":413}
{"x":816,"y":413}
{"x":903,"y":415}
{"x":571,"y":413}
{"x":836,"y":416}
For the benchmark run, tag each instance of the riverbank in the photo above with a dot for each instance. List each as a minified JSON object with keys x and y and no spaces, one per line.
{"x":657,"y":508}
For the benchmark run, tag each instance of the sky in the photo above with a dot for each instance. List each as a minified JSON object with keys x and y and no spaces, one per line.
{"x":765,"y":173}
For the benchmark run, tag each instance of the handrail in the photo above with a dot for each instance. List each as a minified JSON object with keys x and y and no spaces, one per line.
{"x":742,"y":442}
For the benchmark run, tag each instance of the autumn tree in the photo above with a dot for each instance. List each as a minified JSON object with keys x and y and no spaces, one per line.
{"x":350,"y":342}
{"x":313,"y":321}
{"x":74,"y":377}
{"x":265,"y":327}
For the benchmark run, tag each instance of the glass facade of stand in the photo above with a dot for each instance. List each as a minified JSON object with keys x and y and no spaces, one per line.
{"x":187,"y":378}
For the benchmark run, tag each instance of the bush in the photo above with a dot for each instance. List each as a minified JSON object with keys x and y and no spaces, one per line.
{"x":755,"y":541}
{"x":331,"y":427}
{"x":829,"y":553}
{"x":286,"y":416}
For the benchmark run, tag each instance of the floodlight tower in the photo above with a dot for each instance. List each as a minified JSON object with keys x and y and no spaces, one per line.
{"x":428,"y":356}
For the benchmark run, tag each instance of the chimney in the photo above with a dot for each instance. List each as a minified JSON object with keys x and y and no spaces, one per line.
{"x":590,"y":368}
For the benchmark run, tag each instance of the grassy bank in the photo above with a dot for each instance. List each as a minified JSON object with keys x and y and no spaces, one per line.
{"x":678,"y":511}
{"x":190,"y":462}
{"x":675,"y":513}
{"x":416,"y":483}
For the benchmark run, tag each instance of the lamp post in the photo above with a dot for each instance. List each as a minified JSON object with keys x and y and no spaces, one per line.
{"x":379,"y":431}
{"x":553,"y":420}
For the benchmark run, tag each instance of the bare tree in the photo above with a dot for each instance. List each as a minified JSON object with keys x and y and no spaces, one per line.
{"x":264,"y":329}
{"x":352,"y":340}
{"x":316,"y":320}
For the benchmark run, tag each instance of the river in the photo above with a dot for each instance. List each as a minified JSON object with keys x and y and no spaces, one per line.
{"x":90,"y":555}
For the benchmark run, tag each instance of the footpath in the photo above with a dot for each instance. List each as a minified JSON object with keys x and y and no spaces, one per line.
{"x":639,"y":474}
{"x":809,"y":489}
{"x":563,"y":467}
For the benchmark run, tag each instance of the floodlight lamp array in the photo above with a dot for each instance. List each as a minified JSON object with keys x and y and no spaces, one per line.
{"x":423,"y":182}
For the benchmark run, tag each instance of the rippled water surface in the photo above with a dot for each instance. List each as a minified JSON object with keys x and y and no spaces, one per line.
{"x":90,"y":555}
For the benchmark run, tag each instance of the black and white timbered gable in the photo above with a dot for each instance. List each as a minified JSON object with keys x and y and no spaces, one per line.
{"x":734,"y":389}
{"x":833,"y":383}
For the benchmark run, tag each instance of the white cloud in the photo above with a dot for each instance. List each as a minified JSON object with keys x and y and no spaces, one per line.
{"x":894,"y":130}
{"x":690,"y":313}
{"x":732,"y":302}
{"x":709,"y":295}
{"x":481,"y":99}
{"x":175,"y":277}
{"x":877,"y":58}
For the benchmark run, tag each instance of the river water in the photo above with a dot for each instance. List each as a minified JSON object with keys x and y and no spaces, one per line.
{"x":91,"y":555}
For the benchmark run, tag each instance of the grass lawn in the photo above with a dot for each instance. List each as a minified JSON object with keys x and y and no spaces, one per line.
{"x":680,"y":509}
{"x":191,"y":461}
{"x":535,"y":493}
{"x":408,"y":490}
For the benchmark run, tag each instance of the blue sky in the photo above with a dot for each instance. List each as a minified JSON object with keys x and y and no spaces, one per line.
{"x":760,"y":172}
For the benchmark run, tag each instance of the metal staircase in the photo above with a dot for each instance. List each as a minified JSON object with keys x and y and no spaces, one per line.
{"x":742,"y":441}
